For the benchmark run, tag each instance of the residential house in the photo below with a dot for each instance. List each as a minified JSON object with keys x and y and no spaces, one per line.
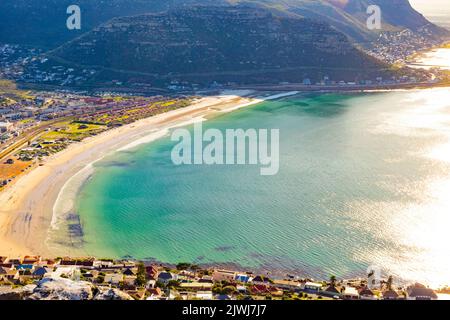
{"x":25,"y":267}
{"x":150,"y":284}
{"x":3,"y":273}
{"x":331,"y":291}
{"x":419,"y":292}
{"x":366,"y":294}
{"x":113,"y":278}
{"x":206,"y":279}
{"x":259,"y":289}
{"x":290,"y":285}
{"x":130,"y":271}
{"x":152,"y":272}
{"x":245,"y":278}
{"x":261,"y":280}
{"x":312,"y":287}
{"x":137,"y":294}
{"x":64,"y":271}
{"x":31,"y":259}
{"x":129,"y":282}
{"x":350,"y":293}
{"x":165,"y":277}
{"x":154,"y":293}
{"x":50,"y":263}
{"x":11,"y":275}
{"x":390,"y":295}
{"x":5,"y":127}
{"x":15,"y":261}
{"x":196,"y":286}
{"x":91,"y":275}
{"x":103,"y":264}
{"x":25,"y":275}
{"x":185,"y":274}
{"x":85,"y":262}
{"x":241,"y":288}
{"x":40,"y":272}
{"x":223,"y":275}
{"x":204,"y":295}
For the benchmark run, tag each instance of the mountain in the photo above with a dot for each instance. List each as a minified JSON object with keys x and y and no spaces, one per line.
{"x":350,"y":16}
{"x":224,"y":44}
{"x":43,"y":22}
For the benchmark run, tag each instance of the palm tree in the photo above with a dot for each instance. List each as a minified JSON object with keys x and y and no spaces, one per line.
{"x":333,"y":280}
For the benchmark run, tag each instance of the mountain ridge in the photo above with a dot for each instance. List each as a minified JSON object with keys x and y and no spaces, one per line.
{"x":43,"y":22}
{"x":205,"y":44}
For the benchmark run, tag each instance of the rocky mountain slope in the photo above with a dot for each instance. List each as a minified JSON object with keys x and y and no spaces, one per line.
{"x":204,"y":44}
{"x":43,"y":22}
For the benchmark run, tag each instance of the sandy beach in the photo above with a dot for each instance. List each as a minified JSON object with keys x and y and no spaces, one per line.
{"x":27,"y":209}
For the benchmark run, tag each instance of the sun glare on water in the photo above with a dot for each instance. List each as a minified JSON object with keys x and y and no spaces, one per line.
{"x":436,"y":58}
{"x":421,"y":229}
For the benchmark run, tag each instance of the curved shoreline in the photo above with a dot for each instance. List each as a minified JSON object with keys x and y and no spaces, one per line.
{"x":28,"y":206}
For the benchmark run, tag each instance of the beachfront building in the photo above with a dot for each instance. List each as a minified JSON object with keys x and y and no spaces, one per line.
{"x":366,"y":294}
{"x":390,"y":295}
{"x":290,"y":285}
{"x":221,"y":275}
{"x":243,"y":278}
{"x":419,"y":292}
{"x":9,"y":274}
{"x":312,"y":287}
{"x":332,"y":292}
{"x":196,"y":286}
{"x":152,"y":272}
{"x":165,"y":277}
{"x":31,"y":259}
{"x":261,"y":280}
{"x":113,"y":278}
{"x":350,"y":293}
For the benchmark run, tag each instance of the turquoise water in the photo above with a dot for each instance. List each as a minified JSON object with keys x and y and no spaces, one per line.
{"x":363,"y":180}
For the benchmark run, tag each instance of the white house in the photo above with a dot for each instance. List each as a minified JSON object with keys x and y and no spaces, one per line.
{"x":5,"y":127}
{"x":350,"y":293}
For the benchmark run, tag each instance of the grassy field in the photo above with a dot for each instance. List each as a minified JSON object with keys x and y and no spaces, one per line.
{"x":74,"y":131}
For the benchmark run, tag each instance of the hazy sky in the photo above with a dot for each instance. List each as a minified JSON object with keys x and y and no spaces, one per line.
{"x":437,"y":11}
{"x":431,"y":6}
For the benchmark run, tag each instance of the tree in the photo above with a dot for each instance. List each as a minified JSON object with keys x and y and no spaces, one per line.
{"x":228,"y":290}
{"x":389,"y":282}
{"x":183,"y":266}
{"x":141,"y":277}
{"x":333,"y":280}
{"x":173,"y":283}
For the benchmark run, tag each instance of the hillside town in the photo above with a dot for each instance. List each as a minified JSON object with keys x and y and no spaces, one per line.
{"x":35,"y":278}
{"x":31,"y":68}
{"x":396,"y":47}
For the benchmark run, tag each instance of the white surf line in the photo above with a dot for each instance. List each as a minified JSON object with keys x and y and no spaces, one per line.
{"x":261,"y":99}
{"x":65,"y":202}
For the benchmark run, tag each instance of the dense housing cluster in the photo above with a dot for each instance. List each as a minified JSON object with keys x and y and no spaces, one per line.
{"x":32,"y":277}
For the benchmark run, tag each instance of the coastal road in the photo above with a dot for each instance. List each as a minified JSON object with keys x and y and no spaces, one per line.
{"x":31,"y":134}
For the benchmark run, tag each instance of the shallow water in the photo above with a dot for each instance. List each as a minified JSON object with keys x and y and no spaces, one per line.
{"x":363,"y":180}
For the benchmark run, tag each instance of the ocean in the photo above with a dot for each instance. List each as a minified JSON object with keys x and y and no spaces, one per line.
{"x":437,"y":11}
{"x":363,"y":181}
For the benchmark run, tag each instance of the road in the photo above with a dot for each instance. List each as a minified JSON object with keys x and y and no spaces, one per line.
{"x":31,"y":134}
